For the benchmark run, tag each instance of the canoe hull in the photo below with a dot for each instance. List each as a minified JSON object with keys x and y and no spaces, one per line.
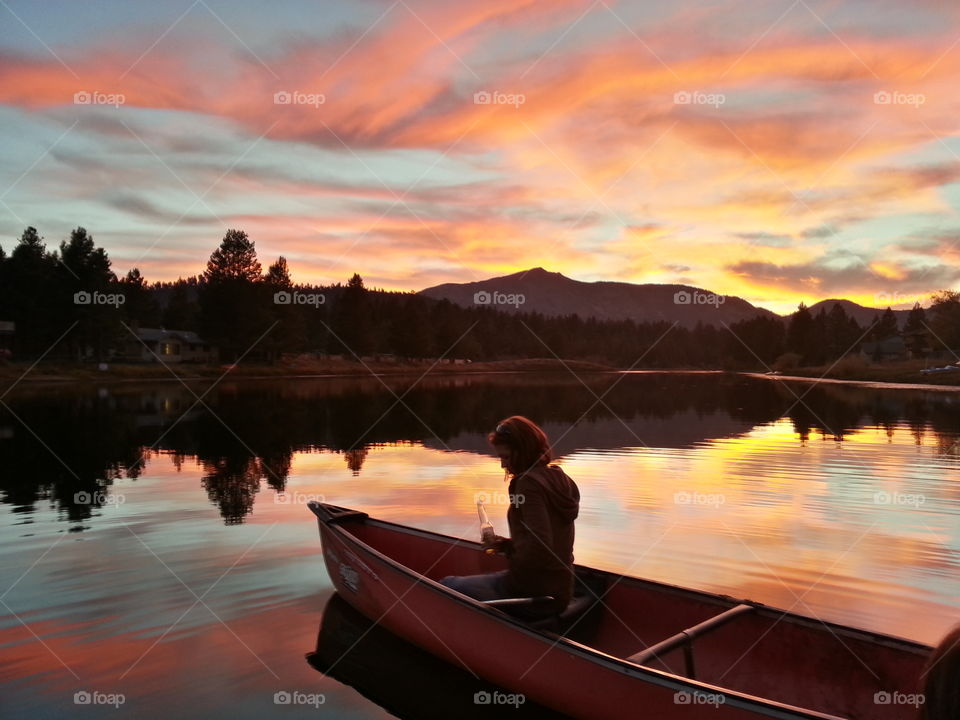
{"x":496,"y":651}
{"x":560,"y":674}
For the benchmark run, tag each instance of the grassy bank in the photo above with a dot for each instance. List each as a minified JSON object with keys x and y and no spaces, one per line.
{"x":856,"y":368}
{"x":63,"y":372}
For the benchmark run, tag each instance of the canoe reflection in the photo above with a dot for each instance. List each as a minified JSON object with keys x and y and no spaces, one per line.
{"x":402,"y":678}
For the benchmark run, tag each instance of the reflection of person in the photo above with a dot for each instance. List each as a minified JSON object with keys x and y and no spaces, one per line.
{"x":941,"y":689}
{"x":544,"y":502}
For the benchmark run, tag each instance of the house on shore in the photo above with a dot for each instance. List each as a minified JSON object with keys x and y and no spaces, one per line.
{"x":891,"y":349}
{"x":168,"y":346}
{"x":7,"y":332}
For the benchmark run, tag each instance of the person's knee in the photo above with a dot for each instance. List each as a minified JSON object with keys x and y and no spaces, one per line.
{"x":449,"y":581}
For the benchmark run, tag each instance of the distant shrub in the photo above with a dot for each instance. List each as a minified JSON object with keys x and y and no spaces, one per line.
{"x":787,"y":361}
{"x":850,"y":365}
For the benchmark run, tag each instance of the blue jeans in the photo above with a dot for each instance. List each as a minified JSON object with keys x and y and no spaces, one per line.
{"x":489,"y":586}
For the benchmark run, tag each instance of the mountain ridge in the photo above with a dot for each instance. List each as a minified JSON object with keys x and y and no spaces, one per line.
{"x":554,"y":294}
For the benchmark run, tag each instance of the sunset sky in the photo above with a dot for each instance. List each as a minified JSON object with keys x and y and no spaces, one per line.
{"x":779,"y":150}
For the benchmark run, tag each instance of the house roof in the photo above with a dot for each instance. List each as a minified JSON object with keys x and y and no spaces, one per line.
{"x":162,"y":334}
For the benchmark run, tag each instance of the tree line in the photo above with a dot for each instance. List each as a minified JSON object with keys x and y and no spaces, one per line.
{"x":69,"y":304}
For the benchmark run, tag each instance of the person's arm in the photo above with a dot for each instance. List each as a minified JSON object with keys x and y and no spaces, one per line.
{"x":534,"y":548}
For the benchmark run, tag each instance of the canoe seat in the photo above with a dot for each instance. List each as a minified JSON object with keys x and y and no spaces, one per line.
{"x":576,"y":608}
{"x":589,"y":589}
{"x":518,"y":601}
{"x":685,"y":638}
{"x":557,"y":623}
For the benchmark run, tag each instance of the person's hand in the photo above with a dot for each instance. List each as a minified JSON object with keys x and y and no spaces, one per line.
{"x":500,"y":545}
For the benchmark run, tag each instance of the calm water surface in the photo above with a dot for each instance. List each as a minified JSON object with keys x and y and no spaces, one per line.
{"x":158,"y":546}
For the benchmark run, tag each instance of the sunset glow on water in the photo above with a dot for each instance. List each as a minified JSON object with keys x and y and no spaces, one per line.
{"x":860,"y":531}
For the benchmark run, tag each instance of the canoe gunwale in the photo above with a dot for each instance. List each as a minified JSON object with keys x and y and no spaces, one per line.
{"x":336,"y":521}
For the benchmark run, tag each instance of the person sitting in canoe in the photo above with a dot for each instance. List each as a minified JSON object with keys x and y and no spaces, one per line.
{"x":544,"y":504}
{"x":941,"y":690}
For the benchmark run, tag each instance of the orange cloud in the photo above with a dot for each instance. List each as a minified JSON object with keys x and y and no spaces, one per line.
{"x":599,"y":166}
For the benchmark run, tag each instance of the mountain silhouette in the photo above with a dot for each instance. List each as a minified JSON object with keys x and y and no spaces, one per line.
{"x":553,"y":294}
{"x":863,"y":315}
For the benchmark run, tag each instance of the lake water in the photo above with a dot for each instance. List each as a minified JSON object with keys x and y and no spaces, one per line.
{"x":155,"y":544}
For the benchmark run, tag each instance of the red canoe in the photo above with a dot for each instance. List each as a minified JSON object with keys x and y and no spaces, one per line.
{"x":625,"y":647}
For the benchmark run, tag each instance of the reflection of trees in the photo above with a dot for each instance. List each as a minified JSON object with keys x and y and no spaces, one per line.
{"x":948,"y":445}
{"x":276,"y":467}
{"x":231,"y":483}
{"x":355,"y":459}
{"x":246,"y":433}
{"x":57,"y":449}
{"x":837,"y":410}
{"x":177,"y":458}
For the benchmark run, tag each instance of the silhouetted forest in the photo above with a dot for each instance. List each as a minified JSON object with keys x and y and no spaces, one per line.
{"x":69,"y":304}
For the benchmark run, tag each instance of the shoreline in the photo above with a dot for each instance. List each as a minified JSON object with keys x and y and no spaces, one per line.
{"x":13,"y":374}
{"x":16,"y":373}
{"x":877,"y":384}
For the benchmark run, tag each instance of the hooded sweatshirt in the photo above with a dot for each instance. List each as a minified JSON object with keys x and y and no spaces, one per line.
{"x":545,"y":502}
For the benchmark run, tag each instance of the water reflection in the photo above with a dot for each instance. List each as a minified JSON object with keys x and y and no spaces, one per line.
{"x":63,"y":443}
{"x":844,"y":506}
{"x":400,"y":677}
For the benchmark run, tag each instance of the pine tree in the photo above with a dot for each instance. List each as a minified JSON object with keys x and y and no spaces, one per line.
{"x":886,"y":327}
{"x":181,"y":311}
{"x":800,"y":332}
{"x":289,"y":331}
{"x":29,"y":297}
{"x":945,"y":321}
{"x":234,"y":310}
{"x":278,"y":274}
{"x":84,"y":273}
{"x":915,"y":332}
{"x":235,"y":259}
{"x":139,"y":308}
{"x":354,"y":320}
